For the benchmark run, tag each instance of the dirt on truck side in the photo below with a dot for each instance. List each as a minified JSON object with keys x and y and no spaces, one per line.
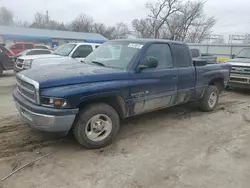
{"x":176,"y":147}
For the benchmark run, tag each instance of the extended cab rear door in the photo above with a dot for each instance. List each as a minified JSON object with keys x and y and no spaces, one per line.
{"x":154,"y":88}
{"x":186,"y":72}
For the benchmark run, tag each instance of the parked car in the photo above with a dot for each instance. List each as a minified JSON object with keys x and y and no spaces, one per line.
{"x":196,"y":53}
{"x":6,"y":59}
{"x":18,"y":58}
{"x":240,"y":72}
{"x":18,"y":47}
{"x":33,"y":51}
{"x":42,"y":46}
{"x":122,"y":78}
{"x":77,"y":51}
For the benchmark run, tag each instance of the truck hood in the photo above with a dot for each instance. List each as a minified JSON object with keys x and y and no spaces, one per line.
{"x":70,"y":74}
{"x":42,"y":56}
{"x":239,"y":62}
{"x":52,"y":61}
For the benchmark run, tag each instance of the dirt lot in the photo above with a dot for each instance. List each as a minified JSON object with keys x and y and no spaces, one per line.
{"x":176,"y":147}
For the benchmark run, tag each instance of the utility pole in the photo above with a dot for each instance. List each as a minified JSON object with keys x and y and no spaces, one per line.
{"x":47,"y":18}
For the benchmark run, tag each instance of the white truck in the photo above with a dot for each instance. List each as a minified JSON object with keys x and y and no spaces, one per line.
{"x":77,"y":51}
{"x":240,"y":71}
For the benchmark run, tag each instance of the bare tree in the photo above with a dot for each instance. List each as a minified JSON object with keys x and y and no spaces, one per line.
{"x":143,"y":28}
{"x":180,"y":23}
{"x":160,"y":12}
{"x":20,"y":23}
{"x":104,"y":30}
{"x":201,"y":29}
{"x":6,"y":17}
{"x":43,"y":21}
{"x":83,"y":23}
{"x":40,"y":21}
{"x":120,"y":30}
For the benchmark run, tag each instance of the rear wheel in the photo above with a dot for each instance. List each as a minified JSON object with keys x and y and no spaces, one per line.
{"x":1,"y":70}
{"x":96,"y":126}
{"x":210,"y":99}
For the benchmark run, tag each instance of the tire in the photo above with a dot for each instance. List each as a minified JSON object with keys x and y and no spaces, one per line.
{"x":1,"y":70}
{"x":211,"y":94}
{"x":82,"y":125}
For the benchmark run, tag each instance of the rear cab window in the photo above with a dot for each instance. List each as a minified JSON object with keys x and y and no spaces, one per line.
{"x":181,"y":55}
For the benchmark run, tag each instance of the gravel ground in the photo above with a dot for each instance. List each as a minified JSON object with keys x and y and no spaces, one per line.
{"x":176,"y":147}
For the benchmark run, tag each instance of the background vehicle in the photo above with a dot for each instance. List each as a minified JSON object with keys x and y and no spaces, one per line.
{"x":6,"y":59}
{"x":77,"y":51}
{"x":32,"y":52}
{"x":196,"y":53}
{"x":42,"y":46}
{"x":121,"y":78}
{"x":18,"y":47}
{"x":240,"y":72}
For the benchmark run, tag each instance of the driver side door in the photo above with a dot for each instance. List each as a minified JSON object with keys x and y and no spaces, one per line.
{"x":82,"y":52}
{"x":154,"y":88}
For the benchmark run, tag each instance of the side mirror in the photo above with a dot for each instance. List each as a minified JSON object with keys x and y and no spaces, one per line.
{"x":233,"y":56}
{"x":149,"y":62}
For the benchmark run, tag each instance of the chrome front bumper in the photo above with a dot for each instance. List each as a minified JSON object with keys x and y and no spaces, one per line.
{"x":43,"y":118}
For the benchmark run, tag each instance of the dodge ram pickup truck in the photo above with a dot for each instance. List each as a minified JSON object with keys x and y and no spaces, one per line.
{"x":121,"y":78}
{"x":240,"y":71}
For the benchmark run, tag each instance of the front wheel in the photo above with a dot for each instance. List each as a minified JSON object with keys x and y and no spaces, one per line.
{"x":96,"y":126}
{"x":210,"y":99}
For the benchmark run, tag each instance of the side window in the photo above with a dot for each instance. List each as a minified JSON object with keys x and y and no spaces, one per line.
{"x":31,"y":53}
{"x":182,"y":55}
{"x":28,"y":46}
{"x":18,"y":46}
{"x":162,"y":53}
{"x":82,"y":51}
{"x":41,"y":47}
{"x":44,"y":52}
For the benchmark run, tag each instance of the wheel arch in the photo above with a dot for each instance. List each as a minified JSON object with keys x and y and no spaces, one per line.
{"x":218,"y":82}
{"x":115,"y":101}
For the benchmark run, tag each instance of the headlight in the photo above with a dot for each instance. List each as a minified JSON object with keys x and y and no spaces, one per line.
{"x":54,"y":102}
{"x":27,"y":63}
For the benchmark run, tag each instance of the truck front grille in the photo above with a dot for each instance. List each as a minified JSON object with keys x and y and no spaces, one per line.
{"x":27,"y":88}
{"x":240,"y":70}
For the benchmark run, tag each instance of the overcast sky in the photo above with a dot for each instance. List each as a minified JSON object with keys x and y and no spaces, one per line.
{"x":233,"y":16}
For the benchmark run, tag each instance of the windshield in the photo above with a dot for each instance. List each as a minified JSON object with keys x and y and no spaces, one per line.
{"x":245,"y":53}
{"x":114,"y":54}
{"x":65,"y":49}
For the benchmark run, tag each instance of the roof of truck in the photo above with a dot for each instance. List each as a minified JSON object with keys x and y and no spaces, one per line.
{"x":149,"y":40}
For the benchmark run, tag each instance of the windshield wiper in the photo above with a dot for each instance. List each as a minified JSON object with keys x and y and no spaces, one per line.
{"x":98,"y":63}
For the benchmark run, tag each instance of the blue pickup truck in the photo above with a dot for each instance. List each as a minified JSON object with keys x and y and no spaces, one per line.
{"x":122,"y":78}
